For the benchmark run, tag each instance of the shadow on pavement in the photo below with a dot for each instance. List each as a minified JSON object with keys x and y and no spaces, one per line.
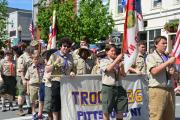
{"x":177,"y":119}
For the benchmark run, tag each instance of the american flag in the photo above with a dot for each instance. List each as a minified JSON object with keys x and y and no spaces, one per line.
{"x":132,"y":25}
{"x":52,"y":33}
{"x":176,"y":48}
{"x":31,"y":30}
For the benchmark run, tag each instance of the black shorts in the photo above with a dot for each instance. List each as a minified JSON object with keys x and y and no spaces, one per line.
{"x":10,"y":82}
{"x":56,"y":100}
{"x":114,"y":97}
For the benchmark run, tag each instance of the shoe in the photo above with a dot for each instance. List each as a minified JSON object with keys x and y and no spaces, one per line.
{"x":20,"y":113}
{"x":11,"y":107}
{"x":3,"y":109}
{"x":29,"y":111}
{"x":41,"y":117}
{"x":35,"y":117}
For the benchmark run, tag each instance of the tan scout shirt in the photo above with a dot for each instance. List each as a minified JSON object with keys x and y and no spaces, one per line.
{"x":32,"y":75}
{"x":62,"y":68}
{"x":109,"y":78}
{"x":7,"y":68}
{"x":160,"y":79}
{"x":82,"y":66}
{"x":140,"y":63}
{"x":23,"y":62}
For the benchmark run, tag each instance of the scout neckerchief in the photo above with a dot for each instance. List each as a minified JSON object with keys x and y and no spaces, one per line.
{"x":164,"y":59}
{"x":65,"y":57}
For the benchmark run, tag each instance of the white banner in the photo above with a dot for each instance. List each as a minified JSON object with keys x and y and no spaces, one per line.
{"x":81,"y":98}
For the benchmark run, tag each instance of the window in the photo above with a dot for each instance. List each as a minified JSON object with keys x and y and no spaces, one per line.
{"x":151,"y":34}
{"x":120,"y":8}
{"x":154,"y":33}
{"x":157,"y":3}
{"x":12,"y":33}
{"x":151,"y":46}
{"x":143,"y":35}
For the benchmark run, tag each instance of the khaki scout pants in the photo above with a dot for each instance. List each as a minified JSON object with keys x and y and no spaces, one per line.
{"x":161,"y":104}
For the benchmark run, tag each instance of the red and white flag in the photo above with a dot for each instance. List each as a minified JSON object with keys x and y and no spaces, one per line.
{"x":52,"y":33}
{"x":31,"y":29}
{"x":133,"y":24}
{"x":176,"y":48}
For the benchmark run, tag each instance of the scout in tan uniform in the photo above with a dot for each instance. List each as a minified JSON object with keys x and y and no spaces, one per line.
{"x":60,"y":63}
{"x":82,"y":64}
{"x":34,"y":76}
{"x":84,"y":43}
{"x":140,"y":65}
{"x":161,"y":94}
{"x":7,"y":69}
{"x":114,"y":96}
{"x":23,"y":62}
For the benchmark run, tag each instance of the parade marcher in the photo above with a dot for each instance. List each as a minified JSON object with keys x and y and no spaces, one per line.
{"x":161,"y":93}
{"x":114,"y":96}
{"x":35,"y":44}
{"x":7,"y":69}
{"x":83,"y":42}
{"x":35,"y":86}
{"x":2,"y":87}
{"x":23,"y":62}
{"x":46,"y":79}
{"x":140,"y":64}
{"x":174,"y":75}
{"x":60,"y":63}
{"x":96,"y":68}
{"x":82,"y":64}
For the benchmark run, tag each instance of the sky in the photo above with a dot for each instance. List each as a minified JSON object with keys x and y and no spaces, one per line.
{"x":21,"y":4}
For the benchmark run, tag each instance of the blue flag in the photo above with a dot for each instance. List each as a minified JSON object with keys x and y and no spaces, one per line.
{"x":123,"y":3}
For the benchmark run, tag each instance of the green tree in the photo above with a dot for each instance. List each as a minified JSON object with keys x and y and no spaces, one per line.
{"x":66,"y":19}
{"x":92,"y":19}
{"x":3,"y":20}
{"x":95,"y":22}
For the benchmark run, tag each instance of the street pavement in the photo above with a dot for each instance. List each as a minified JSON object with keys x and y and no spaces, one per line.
{"x":11,"y":115}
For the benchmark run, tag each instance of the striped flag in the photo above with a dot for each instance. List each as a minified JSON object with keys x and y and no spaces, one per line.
{"x":52,"y":33}
{"x":31,"y":30}
{"x":132,"y":26}
{"x":176,"y":48}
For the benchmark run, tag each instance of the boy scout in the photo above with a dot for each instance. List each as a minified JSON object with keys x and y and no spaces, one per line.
{"x":82,"y":64}
{"x":161,"y":93}
{"x":35,"y":87}
{"x":140,"y":65}
{"x":7,"y":70}
{"x":114,"y":96}
{"x":60,"y":63}
{"x":23,"y":62}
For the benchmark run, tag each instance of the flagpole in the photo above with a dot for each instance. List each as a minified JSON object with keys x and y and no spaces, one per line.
{"x":32,"y":9}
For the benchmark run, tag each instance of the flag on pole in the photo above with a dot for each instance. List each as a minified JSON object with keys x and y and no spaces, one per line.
{"x":133,"y":21}
{"x":123,"y":2}
{"x":138,"y":10}
{"x":52,"y":33}
{"x":176,"y":48}
{"x":31,"y":29}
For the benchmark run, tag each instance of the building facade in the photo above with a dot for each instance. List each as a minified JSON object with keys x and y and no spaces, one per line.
{"x":155,"y":14}
{"x":18,"y":24}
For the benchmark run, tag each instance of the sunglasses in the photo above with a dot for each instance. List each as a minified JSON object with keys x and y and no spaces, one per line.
{"x":66,"y":46}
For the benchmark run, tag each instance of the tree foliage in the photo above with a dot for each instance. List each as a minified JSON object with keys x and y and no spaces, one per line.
{"x":3,"y":20}
{"x":95,"y":22}
{"x":92,"y":20}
